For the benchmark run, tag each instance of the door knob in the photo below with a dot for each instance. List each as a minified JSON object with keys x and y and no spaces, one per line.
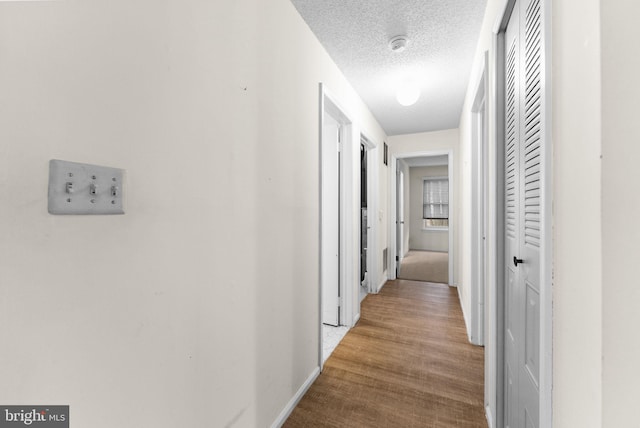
{"x":517,"y":260}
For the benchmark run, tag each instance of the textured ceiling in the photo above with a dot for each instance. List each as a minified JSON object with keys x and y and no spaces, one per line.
{"x":442,"y":41}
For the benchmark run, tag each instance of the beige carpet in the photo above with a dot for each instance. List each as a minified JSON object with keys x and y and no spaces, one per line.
{"x":425,"y":266}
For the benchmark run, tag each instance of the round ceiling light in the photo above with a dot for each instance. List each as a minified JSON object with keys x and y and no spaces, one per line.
{"x":408,"y":94}
{"x":398,"y":43}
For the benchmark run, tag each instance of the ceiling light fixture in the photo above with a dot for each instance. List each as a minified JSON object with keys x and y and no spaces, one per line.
{"x":398,"y":43}
{"x":408,"y":94}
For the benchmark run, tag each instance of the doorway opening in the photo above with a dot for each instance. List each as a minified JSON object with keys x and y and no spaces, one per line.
{"x":332,"y":134}
{"x":364,"y":217}
{"x":368,"y":224}
{"x":339,"y":283}
{"x":422,"y":230}
{"x":479,"y":291}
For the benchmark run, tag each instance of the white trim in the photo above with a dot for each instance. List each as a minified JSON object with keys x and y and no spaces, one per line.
{"x":494,"y":356}
{"x":434,"y":229}
{"x":369,"y":142}
{"x":286,"y":412}
{"x":393,"y":204}
{"x":400,"y":202}
{"x":333,"y":107}
{"x":479,"y":193}
{"x":489,"y":416}
{"x":350,"y":218}
{"x":499,"y":93}
{"x":392,"y":226}
{"x":349,"y":213}
{"x":546,"y":251}
{"x":464,"y":314}
{"x":320,"y":121}
{"x":373,"y":202}
{"x":330,"y":105}
{"x":382,"y":284}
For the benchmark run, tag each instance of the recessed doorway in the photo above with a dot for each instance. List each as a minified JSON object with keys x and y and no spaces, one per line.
{"x":423,"y":230}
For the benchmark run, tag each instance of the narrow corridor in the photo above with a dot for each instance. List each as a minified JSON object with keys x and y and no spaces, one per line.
{"x":408,"y":363}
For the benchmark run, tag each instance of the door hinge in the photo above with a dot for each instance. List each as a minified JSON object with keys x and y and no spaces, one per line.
{"x":397,"y":258}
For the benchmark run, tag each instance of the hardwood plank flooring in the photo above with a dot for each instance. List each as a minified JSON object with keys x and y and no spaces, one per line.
{"x":408,"y":363}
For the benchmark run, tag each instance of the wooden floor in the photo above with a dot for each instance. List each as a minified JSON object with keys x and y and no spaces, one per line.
{"x":408,"y":363}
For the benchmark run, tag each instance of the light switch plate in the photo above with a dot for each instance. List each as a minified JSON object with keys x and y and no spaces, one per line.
{"x":81,"y":189}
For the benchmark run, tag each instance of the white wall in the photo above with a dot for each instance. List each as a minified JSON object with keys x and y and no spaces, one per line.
{"x":436,"y":141}
{"x":620,"y":210}
{"x":485,"y":44}
{"x":199,"y":306}
{"x":425,"y":239}
{"x":577,"y":287}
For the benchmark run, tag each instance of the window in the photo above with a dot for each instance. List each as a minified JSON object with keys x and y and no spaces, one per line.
{"x":435,"y":203}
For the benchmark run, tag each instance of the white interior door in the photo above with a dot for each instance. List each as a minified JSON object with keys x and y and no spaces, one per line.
{"x":400,"y":220}
{"x":524,"y":100}
{"x":330,"y":260}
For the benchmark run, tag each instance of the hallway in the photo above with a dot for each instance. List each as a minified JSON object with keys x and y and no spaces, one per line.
{"x":408,"y":363}
{"x":429,"y":266}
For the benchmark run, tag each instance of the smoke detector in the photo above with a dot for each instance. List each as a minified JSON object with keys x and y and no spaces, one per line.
{"x":398,"y":43}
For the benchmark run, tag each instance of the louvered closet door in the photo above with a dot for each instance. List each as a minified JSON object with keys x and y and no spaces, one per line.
{"x":512,"y":218}
{"x":523,"y":121}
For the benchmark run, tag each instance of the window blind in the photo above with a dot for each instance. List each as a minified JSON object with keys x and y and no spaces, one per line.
{"x":435,"y":198}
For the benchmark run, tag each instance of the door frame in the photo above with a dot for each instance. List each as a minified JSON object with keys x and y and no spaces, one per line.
{"x":348,"y":218}
{"x":373,"y":195}
{"x":479,"y":192}
{"x":393,"y":203}
{"x":546,"y":216}
{"x":399,"y":221}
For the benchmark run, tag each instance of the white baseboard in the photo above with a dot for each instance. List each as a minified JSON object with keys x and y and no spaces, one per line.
{"x":282,"y":417}
{"x":384,"y":281}
{"x":464,"y":315}
{"x":489,"y":415}
{"x":356,"y":319}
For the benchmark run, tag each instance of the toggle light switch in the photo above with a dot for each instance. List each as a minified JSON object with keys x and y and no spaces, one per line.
{"x":96,"y":189}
